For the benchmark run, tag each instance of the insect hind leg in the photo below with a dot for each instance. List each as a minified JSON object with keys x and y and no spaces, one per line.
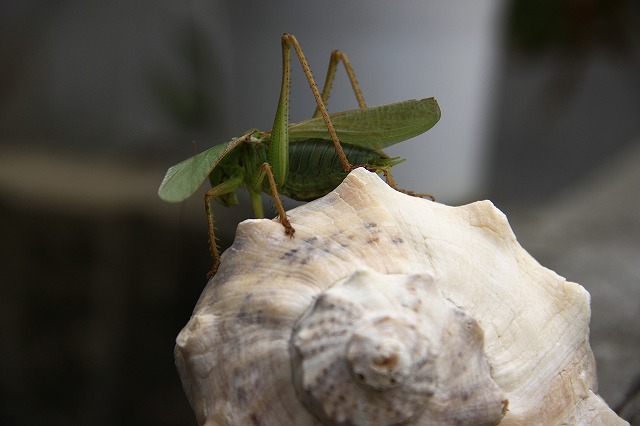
{"x":336,"y":57}
{"x":288,"y":41}
{"x":392,"y":183}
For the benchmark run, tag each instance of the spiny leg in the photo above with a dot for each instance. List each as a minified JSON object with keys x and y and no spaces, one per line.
{"x":265,"y":169}
{"x":289,"y":40}
{"x":336,"y":57}
{"x":224,"y":188}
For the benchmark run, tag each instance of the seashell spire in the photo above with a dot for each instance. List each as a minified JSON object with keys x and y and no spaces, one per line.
{"x":405,"y":350}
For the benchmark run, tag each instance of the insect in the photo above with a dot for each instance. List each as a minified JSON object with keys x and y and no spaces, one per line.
{"x":305,"y":160}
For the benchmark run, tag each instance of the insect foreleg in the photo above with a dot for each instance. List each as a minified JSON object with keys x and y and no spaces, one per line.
{"x":265,"y":170}
{"x":336,"y":57}
{"x":221,"y":189}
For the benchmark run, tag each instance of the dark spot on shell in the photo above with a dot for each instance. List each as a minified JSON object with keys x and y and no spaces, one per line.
{"x":327,"y":394}
{"x":373,"y":240}
{"x":311,"y":240}
{"x":327,"y":249}
{"x":241,"y":314}
{"x":241,"y":396}
{"x":255,"y":420}
{"x":260,"y":317}
{"x":303,"y":257}
{"x":289,"y":254}
{"x":342,"y":332}
{"x":370,"y":225}
{"x":324,"y":302}
{"x":316,"y":350}
{"x":397,"y":240}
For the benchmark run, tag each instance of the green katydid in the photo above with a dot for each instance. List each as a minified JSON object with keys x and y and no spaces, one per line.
{"x":305,"y":160}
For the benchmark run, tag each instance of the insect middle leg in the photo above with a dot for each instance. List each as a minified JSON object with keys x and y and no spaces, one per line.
{"x":224,"y":188}
{"x":392,"y":183}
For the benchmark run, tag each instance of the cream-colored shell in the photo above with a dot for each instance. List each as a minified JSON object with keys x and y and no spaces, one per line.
{"x":285,"y":333}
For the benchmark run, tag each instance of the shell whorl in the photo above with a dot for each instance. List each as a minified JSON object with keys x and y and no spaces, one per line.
{"x":369,"y":351}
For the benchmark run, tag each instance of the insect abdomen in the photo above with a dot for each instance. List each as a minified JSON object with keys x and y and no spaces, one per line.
{"x":315,"y":169}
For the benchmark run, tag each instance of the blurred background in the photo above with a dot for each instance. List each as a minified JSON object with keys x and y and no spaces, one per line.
{"x":541,"y":114}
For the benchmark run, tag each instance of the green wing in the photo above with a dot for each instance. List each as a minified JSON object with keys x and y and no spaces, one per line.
{"x":376,"y":127}
{"x":183,"y":179}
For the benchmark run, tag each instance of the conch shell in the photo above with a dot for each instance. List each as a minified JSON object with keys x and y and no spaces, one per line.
{"x":387,"y":309}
